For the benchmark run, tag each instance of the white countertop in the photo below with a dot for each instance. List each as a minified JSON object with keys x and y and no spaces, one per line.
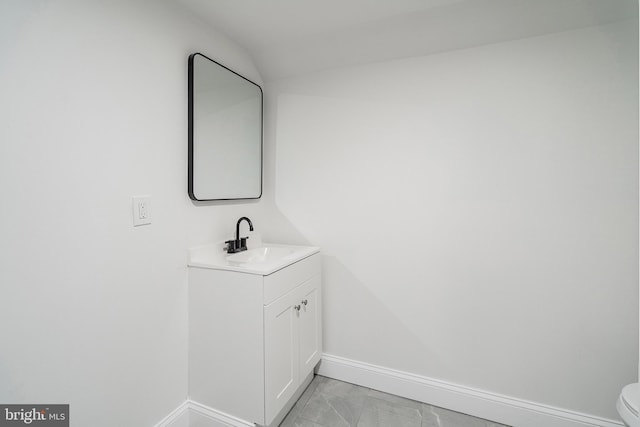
{"x":262,"y":260}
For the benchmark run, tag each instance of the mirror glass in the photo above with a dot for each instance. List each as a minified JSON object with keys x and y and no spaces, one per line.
{"x":225,"y":133}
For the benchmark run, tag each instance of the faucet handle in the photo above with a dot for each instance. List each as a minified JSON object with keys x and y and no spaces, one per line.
{"x":231,"y":246}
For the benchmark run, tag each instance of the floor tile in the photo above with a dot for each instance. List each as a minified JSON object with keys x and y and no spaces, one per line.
{"x":332,"y":387}
{"x":381,"y":413}
{"x":433,"y":416}
{"x":334,"y":403}
{"x":331,"y":403}
{"x":395,"y":400}
{"x":333,"y":410}
{"x":299,"y":422}
{"x":289,"y":420}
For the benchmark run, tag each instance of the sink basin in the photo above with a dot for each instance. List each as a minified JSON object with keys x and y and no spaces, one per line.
{"x":262,"y":254}
{"x":263,"y":260}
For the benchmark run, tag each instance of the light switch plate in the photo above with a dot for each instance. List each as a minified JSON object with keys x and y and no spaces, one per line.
{"x":141,"y":210}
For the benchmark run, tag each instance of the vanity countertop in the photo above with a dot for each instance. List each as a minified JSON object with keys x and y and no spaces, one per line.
{"x":261,"y":260}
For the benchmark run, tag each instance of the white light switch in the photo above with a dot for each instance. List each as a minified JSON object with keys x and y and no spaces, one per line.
{"x":141,"y":210}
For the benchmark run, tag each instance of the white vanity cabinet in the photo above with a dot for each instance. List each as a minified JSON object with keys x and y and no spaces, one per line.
{"x":254,"y":339}
{"x":291,"y":343}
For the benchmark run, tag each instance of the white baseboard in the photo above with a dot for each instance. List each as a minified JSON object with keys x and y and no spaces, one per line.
{"x":194,"y":414}
{"x":479,"y":403}
{"x":209,"y":417}
{"x":179,"y":417}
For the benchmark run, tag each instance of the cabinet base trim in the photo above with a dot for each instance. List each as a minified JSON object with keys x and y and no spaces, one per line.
{"x":468,"y":400}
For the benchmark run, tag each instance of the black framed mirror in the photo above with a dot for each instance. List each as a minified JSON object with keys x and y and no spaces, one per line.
{"x":225,"y":133}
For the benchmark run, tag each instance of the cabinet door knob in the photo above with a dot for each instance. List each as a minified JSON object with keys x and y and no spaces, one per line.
{"x":304,"y":302}
{"x":297,"y":307}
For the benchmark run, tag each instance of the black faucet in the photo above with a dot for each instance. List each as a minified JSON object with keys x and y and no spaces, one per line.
{"x":240,"y":244}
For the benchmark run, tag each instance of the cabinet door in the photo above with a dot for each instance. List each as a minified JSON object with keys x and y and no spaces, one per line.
{"x":310,"y":326}
{"x":280,"y":353}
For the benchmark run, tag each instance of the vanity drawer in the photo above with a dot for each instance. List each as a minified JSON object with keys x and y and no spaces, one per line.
{"x":282,"y":281}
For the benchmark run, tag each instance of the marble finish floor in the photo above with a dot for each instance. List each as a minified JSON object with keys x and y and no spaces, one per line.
{"x":331,"y":403}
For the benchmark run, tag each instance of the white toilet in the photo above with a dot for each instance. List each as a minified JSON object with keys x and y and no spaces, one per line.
{"x":627,"y":405}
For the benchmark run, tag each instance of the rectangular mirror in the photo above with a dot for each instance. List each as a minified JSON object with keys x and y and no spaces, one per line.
{"x":225,"y":133}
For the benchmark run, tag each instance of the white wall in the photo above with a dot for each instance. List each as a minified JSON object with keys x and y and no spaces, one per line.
{"x":478,"y":212}
{"x":93,"y":100}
